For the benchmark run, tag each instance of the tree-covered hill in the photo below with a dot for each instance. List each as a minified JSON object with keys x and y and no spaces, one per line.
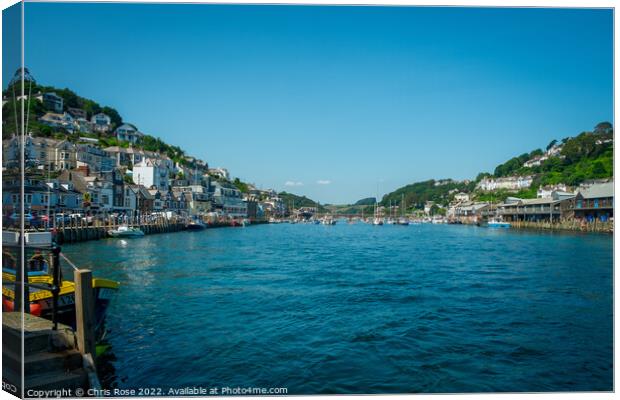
{"x":294,"y":201}
{"x":586,"y":156}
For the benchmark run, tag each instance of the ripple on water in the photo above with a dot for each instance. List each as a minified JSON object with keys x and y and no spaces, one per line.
{"x":360,"y":309}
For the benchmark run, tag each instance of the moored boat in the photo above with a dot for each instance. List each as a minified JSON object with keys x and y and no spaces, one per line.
{"x":125,"y":231}
{"x":498,"y":223}
{"x":41,"y":280}
{"x":195,"y":225}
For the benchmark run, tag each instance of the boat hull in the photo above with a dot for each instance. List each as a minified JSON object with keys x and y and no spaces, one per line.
{"x":41,"y":301}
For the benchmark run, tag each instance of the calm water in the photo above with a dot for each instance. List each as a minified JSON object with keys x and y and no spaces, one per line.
{"x":360,"y":309}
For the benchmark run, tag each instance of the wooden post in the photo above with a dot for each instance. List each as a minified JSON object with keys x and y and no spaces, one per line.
{"x":84,"y":311}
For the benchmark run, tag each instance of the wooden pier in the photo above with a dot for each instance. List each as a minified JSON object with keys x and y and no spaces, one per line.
{"x":56,"y":359}
{"x":52,"y":361}
{"x":80,"y":231}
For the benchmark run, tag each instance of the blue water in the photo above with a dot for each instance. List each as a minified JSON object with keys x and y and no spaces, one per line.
{"x":360,"y":309}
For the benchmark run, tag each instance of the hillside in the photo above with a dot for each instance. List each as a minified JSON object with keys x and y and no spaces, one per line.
{"x":91,"y":107}
{"x":295,"y":201}
{"x":570,"y":161}
{"x":368,"y":201}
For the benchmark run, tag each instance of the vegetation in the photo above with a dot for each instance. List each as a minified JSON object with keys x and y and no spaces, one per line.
{"x":419,"y":193}
{"x":37,"y":109}
{"x":242,"y":186}
{"x":366,"y":202}
{"x":293,"y":200}
{"x":584,"y":157}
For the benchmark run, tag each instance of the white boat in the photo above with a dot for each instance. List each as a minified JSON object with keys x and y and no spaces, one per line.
{"x":328,"y":221}
{"x":498,"y":223}
{"x":377,"y":221}
{"x":403,"y":221}
{"x":125,"y":231}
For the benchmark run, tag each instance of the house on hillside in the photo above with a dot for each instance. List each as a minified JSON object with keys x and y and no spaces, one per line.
{"x":53,"y":102}
{"x":55,"y":120}
{"x":128,"y":133}
{"x":101,"y":122}
{"x":514,"y":183}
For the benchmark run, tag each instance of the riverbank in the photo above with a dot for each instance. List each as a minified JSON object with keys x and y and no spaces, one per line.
{"x":82,"y":232}
{"x":572,"y":226}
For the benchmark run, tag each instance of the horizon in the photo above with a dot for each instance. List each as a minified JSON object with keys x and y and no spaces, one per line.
{"x":342,"y":112}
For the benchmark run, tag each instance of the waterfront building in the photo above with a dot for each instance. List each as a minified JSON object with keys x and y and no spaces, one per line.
{"x":128,"y":133}
{"x":94,"y":157}
{"x":550,"y":209}
{"x":115,"y":176}
{"x":101,"y":122}
{"x":53,"y":102}
{"x":151,"y":174}
{"x":138,"y":198}
{"x":39,"y":196}
{"x":197,"y":198}
{"x":159,"y":199}
{"x":11,"y":152}
{"x":97,"y":193}
{"x":595,"y":202}
{"x":228,"y":199}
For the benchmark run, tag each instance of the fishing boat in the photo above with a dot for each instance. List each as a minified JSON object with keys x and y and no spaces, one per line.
{"x":40,"y":273}
{"x":498,"y":223}
{"x":195,"y":225}
{"x":125,"y":231}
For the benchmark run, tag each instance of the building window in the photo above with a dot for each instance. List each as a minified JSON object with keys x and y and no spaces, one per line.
{"x":28,"y":198}
{"x":595,"y":203}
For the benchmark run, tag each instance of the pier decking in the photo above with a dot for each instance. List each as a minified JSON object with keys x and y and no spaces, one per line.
{"x":51,"y":358}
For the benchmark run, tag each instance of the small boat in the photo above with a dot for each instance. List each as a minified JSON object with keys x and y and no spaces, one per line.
{"x":328,"y":221}
{"x":41,"y":299}
{"x":377,"y":221}
{"x":403,"y":221}
{"x":125,"y":231}
{"x":195,"y":225}
{"x":498,"y":223}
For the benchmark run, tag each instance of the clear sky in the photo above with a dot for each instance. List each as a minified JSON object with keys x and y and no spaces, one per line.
{"x":333,"y":102}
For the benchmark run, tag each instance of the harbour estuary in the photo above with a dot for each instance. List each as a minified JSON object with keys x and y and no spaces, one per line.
{"x":356,"y":308}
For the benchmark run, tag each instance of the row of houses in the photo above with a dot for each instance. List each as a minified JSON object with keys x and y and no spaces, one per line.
{"x":589,"y":202}
{"x":88,"y":179}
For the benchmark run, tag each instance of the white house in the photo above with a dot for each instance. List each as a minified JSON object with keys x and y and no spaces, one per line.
{"x":460,"y":197}
{"x":149,"y":173}
{"x":220,"y":172}
{"x":101,"y":122}
{"x":545,"y":192}
{"x":128,"y":133}
{"x":506,"y":183}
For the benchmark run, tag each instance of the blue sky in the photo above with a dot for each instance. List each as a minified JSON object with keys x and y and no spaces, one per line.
{"x":360,"y":97}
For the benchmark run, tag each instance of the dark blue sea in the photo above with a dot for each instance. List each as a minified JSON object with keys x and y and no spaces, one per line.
{"x":359,"y":309}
